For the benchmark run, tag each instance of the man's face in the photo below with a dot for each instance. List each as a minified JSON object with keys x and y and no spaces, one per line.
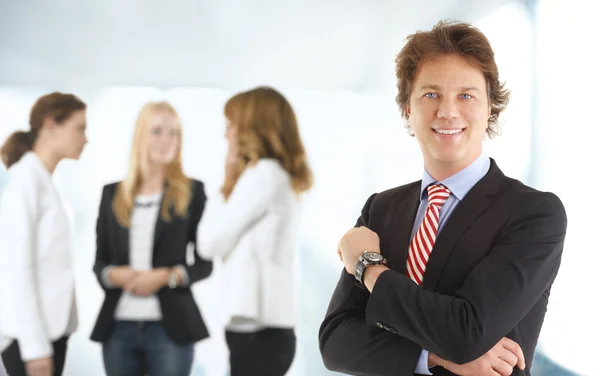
{"x":448,"y":112}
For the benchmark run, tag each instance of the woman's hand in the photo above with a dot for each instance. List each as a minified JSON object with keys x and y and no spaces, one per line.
{"x":148,"y":282}
{"x":121,"y":275}
{"x":231,"y":161}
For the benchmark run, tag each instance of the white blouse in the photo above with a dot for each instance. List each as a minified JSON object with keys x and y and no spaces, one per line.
{"x":255,"y":233}
{"x":37,"y":294}
{"x":141,"y":238}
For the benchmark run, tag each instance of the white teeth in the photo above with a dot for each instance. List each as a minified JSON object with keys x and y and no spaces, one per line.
{"x":448,"y":131}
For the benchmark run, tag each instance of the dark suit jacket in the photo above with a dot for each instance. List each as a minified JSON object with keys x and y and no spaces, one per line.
{"x":489,"y":276}
{"x":181,"y":317}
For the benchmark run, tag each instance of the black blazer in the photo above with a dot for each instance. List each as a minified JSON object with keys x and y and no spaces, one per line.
{"x":181,"y":317}
{"x":489,"y":276}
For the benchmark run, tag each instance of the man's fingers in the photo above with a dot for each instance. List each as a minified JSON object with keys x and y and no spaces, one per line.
{"x":509,"y":357}
{"x":514,"y":347}
{"x":492,"y":372}
{"x":502,"y":368}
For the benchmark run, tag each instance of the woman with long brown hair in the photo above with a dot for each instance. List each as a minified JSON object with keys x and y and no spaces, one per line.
{"x":37,"y":293}
{"x":149,"y":321}
{"x":253,"y":227}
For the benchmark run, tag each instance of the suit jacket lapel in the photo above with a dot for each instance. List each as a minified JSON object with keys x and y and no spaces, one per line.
{"x":159,"y":228}
{"x":402,"y":228}
{"x":160,"y":222}
{"x":465,"y":213}
{"x":122,"y":241}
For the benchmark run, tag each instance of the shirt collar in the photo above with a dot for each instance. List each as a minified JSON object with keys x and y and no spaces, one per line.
{"x":31,"y":159}
{"x":461,"y":182}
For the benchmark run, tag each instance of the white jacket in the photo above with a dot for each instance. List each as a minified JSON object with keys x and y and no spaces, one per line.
{"x":37,"y":296}
{"x":255,"y":233}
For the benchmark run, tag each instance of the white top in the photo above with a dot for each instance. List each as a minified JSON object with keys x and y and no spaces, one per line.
{"x":37,"y":296}
{"x":141,"y":242}
{"x":255,"y":233}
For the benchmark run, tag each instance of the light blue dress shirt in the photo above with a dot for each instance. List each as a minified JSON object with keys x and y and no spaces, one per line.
{"x":459,"y":184}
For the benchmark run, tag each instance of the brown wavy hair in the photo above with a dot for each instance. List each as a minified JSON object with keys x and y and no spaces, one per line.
{"x":56,"y":106}
{"x":178,"y":189}
{"x":451,"y":38}
{"x":267,"y":128}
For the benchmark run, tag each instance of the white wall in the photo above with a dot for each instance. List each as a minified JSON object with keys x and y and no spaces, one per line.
{"x":566,"y":160}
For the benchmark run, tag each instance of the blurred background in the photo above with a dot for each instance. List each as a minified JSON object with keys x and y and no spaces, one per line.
{"x":334,"y":61}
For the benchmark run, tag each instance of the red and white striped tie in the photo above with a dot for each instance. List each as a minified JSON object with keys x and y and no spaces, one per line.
{"x":424,"y":239}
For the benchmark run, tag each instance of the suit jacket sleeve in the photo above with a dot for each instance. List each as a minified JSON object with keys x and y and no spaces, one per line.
{"x":493,"y":298}
{"x":351,"y":345}
{"x":102,"y":251}
{"x":201,"y":268}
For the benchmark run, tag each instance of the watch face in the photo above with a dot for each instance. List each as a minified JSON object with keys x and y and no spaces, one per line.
{"x":373,"y":256}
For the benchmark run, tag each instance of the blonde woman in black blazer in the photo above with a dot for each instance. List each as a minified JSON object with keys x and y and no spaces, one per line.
{"x":149,"y":321}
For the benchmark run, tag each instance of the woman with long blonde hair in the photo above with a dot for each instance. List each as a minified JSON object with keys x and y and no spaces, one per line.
{"x":149,"y":320}
{"x":253,"y":227}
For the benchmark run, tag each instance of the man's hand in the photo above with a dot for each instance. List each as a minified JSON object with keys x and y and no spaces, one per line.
{"x":147,"y":283}
{"x":40,"y":367}
{"x":500,"y":360}
{"x":121,"y":275}
{"x":354,"y":243}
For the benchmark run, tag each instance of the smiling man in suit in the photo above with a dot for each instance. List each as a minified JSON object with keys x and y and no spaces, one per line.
{"x":450,"y":274}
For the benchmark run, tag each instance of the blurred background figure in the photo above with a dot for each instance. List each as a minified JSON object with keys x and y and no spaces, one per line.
{"x":334,"y":63}
{"x":38,"y":311}
{"x":253,"y":225}
{"x":149,"y":320}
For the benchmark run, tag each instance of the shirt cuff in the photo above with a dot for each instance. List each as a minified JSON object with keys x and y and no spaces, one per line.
{"x":184,"y":275}
{"x":105,"y":280}
{"x":34,"y":348}
{"x":423,"y":364}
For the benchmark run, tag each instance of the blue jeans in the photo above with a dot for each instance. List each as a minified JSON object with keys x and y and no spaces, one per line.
{"x":143,"y":348}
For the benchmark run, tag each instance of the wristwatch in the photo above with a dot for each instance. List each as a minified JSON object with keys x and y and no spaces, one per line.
{"x":172,"y":282}
{"x":366,"y":259}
